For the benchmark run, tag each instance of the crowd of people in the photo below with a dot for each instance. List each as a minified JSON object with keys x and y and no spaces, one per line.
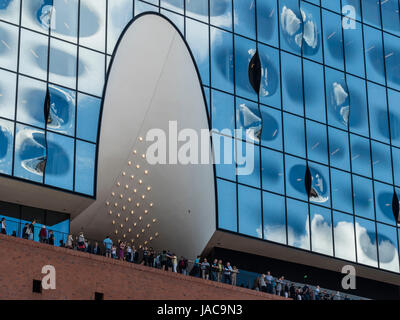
{"x":168,"y":261}
{"x":281,"y":287}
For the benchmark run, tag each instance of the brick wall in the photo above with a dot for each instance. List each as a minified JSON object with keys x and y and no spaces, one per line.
{"x":79,"y":275}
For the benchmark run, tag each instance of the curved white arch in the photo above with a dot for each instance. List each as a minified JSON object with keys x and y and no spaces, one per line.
{"x":152,"y":80}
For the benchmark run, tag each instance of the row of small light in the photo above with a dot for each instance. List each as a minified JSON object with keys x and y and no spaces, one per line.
{"x":113,"y":204}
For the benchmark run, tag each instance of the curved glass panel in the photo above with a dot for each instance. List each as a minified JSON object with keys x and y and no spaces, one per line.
{"x":298,"y":224}
{"x":222,"y":59}
{"x":292,"y":84}
{"x":314,"y":92}
{"x":272,"y":170}
{"x":378,"y":112}
{"x":383,"y":201}
{"x":33,"y":54}
{"x":197,"y":9}
{"x":174,"y":5}
{"x":244,"y":18}
{"x":9,"y":10}
{"x":271,"y":134}
{"x":274,"y":218}
{"x":197,"y":37}
{"x":221,"y":13}
{"x":248,"y":119}
{"x":249,"y":211}
{"x":295,"y":173}
{"x":92,"y":24}
{"x":91,"y":72}
{"x":248,"y":163}
{"x":363,"y":197}
{"x":119,"y":14}
{"x":30,"y":153}
{"x":65,"y":19}
{"x":311,"y":45}
{"x":333,"y":42}
{"x":341,"y":191}
{"x":267,"y":22}
{"x":339,"y":149}
{"x":62,"y":63}
{"x":270,"y":76}
{"x":358,"y":117}
{"x":374,"y":55}
{"x":360,"y":155}
{"x":31,"y":95}
{"x":223,"y":112}
{"x":7,"y":94}
{"x":227,"y":212}
{"x":387,"y":248}
{"x":353,"y":48}
{"x":225,"y":164}
{"x":88,"y":113}
{"x":291,"y":25}
{"x":366,"y":242}
{"x":319,"y":185}
{"x":294,"y":135}
{"x":345,"y":247}
{"x":382,"y":164}
{"x":59,"y":166}
{"x":6,"y":143}
{"x":8,"y":46}
{"x":317,"y":142}
{"x":321,"y":230}
{"x":84,"y":167}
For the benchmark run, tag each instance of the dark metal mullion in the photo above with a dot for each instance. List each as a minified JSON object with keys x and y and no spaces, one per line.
{"x":76,"y":92}
{"x":348,"y":136}
{"x":327,"y":132}
{"x":388,"y":115}
{"x":260,"y":139}
{"x":369,"y":133}
{"x":305,"y":127}
{"x":282,"y":122}
{"x":16,"y":89}
{"x":47,"y":89}
{"x":184,"y":18}
{"x":234,"y":112}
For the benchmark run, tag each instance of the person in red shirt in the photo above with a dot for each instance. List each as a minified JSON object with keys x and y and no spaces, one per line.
{"x":43,"y":235}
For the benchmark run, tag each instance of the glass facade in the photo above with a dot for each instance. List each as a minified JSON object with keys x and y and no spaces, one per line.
{"x":17,"y":216}
{"x":327,"y":105}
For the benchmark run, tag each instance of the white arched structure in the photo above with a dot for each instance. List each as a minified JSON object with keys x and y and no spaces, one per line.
{"x":152,"y":80}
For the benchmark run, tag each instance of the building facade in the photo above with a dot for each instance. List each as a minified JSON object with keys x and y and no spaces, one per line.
{"x":327,"y":143}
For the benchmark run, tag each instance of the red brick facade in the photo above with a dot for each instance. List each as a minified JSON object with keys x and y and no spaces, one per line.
{"x":79,"y":275}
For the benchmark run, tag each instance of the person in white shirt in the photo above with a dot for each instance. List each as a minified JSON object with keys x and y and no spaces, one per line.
{"x":3,"y":226}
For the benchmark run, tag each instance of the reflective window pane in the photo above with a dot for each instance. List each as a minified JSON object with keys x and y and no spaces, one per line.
{"x":295,"y":175}
{"x":227,"y":213}
{"x":333,"y":42}
{"x":274,"y":218}
{"x":91,"y":72}
{"x":298,"y":224}
{"x":92,"y":24}
{"x":65,"y":19}
{"x":272,"y":171}
{"x":249,"y":211}
{"x":33,"y":54}
{"x":244,"y":18}
{"x":360,"y":155}
{"x":314,"y":93}
{"x":294,"y":135}
{"x":119,"y":14}
{"x":321,"y":230}
{"x":381,"y":162}
{"x":6,"y":146}
{"x":7,"y":94}
{"x":292,"y":89}
{"x":317,"y":142}
{"x":8,"y":46}
{"x":9,"y":10}
{"x":221,"y":13}
{"x":344,"y":236}
{"x":378,"y":112}
{"x":271,"y":134}
{"x":63,"y":63}
{"x":341,"y":191}
{"x":60,"y":161}
{"x":88,"y":117}
{"x":383,"y":203}
{"x":388,"y":248}
{"x":197,"y":9}
{"x":267,"y":22}
{"x":363,"y":197}
{"x":366,"y":242}
{"x":223,"y":111}
{"x":174,"y":5}
{"x":85,"y":167}
{"x":30,"y":153}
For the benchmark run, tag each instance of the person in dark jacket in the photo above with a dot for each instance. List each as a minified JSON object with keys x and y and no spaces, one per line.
{"x":51,"y":238}
{"x":24,"y":234}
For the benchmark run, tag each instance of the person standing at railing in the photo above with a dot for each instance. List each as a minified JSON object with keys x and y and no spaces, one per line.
{"x":31,"y":230}
{"x":220,"y":270}
{"x":108,"y":244}
{"x":43,"y":234}
{"x":214,"y":270}
{"x":70,"y":240}
{"x":227,"y":276}
{"x":24,"y":233}
{"x":51,"y":238}
{"x":3,"y":226}
{"x":234,"y":275}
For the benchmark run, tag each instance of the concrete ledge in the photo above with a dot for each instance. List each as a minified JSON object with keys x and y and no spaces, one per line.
{"x":79,"y":275}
